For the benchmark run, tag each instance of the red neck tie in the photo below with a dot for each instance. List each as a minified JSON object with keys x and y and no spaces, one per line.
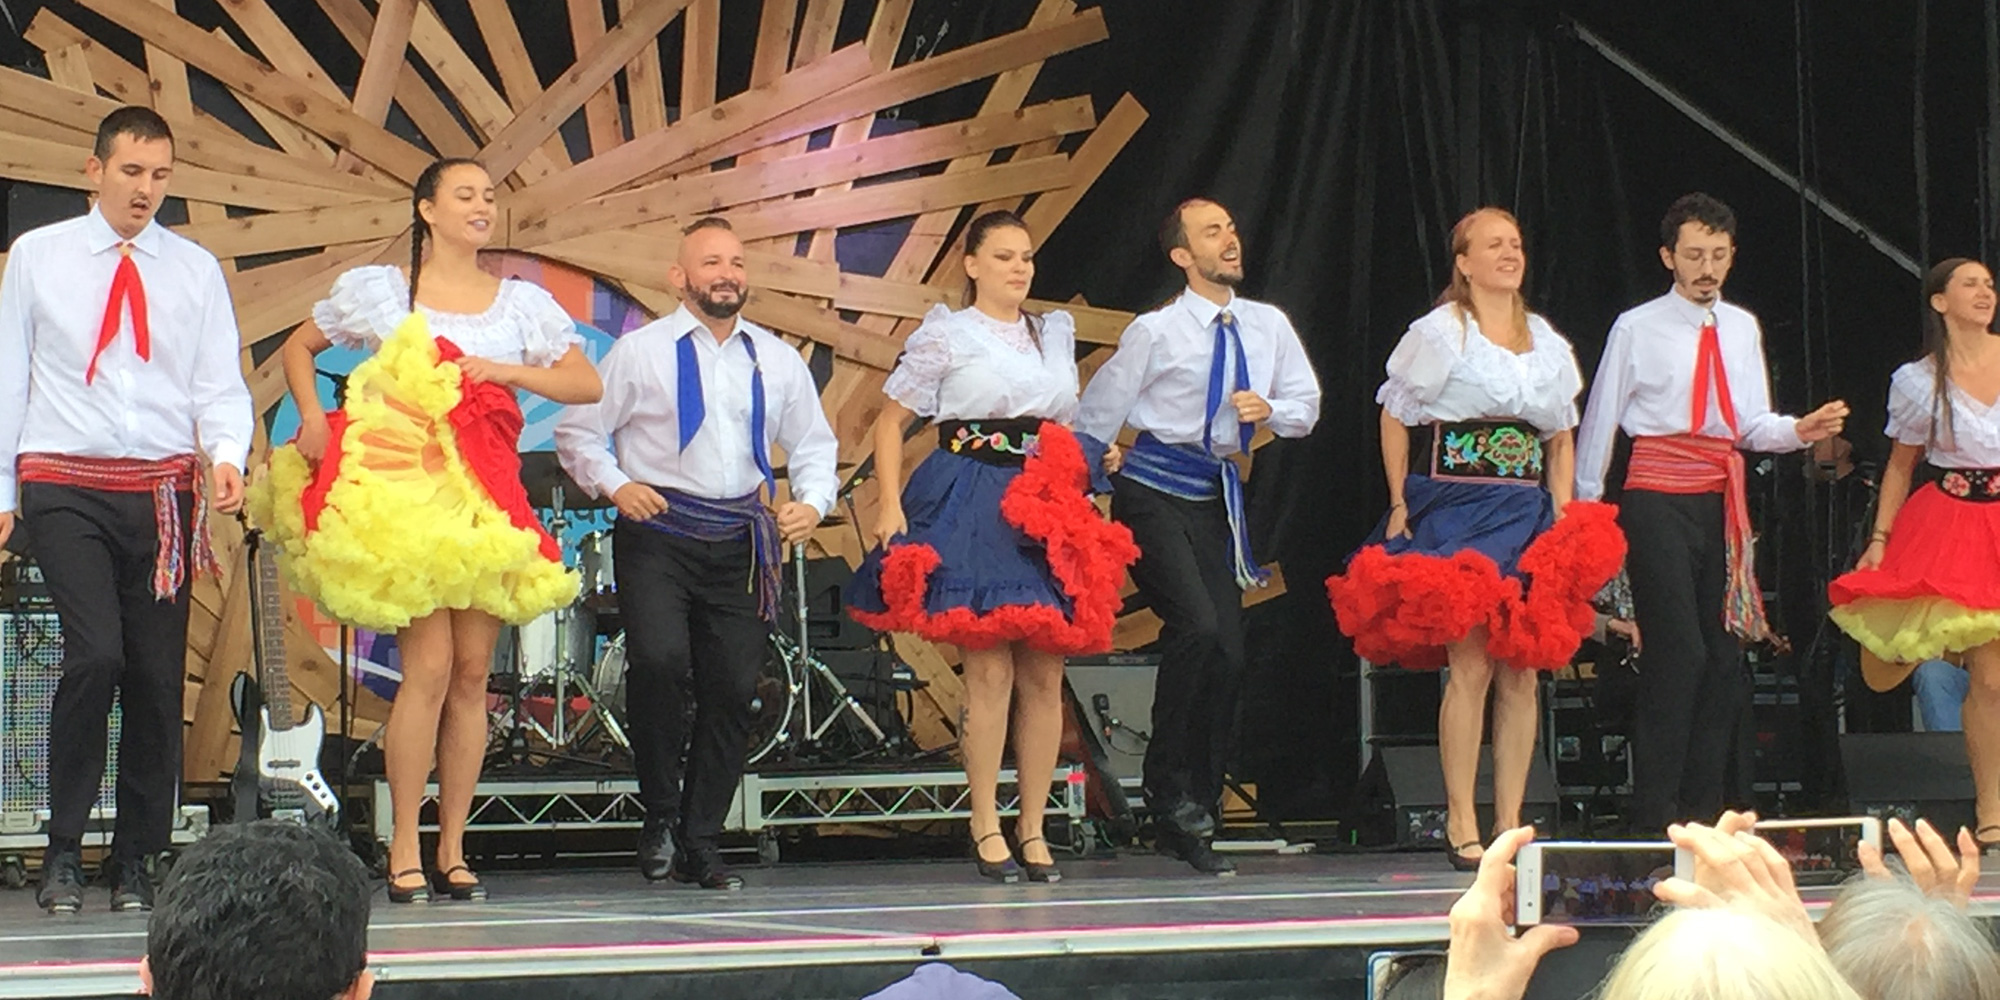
{"x":125,"y":287}
{"x":1708,"y":368}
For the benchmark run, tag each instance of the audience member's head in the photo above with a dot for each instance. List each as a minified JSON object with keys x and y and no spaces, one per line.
{"x":1893,"y":941}
{"x":1723,"y":954}
{"x":265,"y":911}
{"x":1417,"y":979}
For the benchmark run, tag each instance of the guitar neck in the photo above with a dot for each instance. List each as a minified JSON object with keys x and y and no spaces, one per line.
{"x":276,"y":685}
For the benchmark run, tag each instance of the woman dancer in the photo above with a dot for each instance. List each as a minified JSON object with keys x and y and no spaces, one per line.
{"x":994,"y":546}
{"x":403,"y":512}
{"x":1929,"y":582}
{"x":1476,"y":442}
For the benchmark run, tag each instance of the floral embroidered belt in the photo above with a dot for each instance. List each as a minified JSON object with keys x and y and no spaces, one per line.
{"x":1976,"y":485}
{"x":1478,"y":451}
{"x":1003,"y":441}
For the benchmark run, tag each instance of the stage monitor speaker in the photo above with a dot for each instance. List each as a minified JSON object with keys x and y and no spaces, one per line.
{"x":827,"y":622}
{"x":1909,"y":775}
{"x":1404,"y":791}
{"x":1116,"y":693}
{"x":31,"y":653}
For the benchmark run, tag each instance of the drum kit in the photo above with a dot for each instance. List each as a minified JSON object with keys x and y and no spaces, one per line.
{"x":561,"y":677}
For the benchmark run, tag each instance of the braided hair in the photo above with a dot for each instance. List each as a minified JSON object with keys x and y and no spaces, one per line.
{"x":424,"y":190}
{"x":975,"y":237}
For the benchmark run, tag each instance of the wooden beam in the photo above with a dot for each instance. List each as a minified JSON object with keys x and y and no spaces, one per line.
{"x":885,"y":33}
{"x":14,"y":123}
{"x":40,"y":161}
{"x":600,"y":111}
{"x":206,"y":752}
{"x":313,"y":227}
{"x":540,"y":118}
{"x":1089,"y":163}
{"x":645,"y":88}
{"x":509,"y":53}
{"x":426,"y":111}
{"x":774,"y":42}
{"x":69,"y":67}
{"x":258,"y":81}
{"x":282,"y":307}
{"x":742,"y":184}
{"x":289,"y":135}
{"x":610,"y":170}
{"x":482,"y":104}
{"x":641,"y":259}
{"x":125,"y":82}
{"x":881,"y":202}
{"x":806,"y":319}
{"x":383,"y":62}
{"x":702,"y":36}
{"x":281,"y":48}
{"x":909,"y":82}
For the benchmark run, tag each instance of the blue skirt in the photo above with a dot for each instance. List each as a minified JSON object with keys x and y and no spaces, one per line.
{"x":1496,"y":520}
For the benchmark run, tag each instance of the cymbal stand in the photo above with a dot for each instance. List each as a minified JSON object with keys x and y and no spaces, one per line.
{"x":568,"y":671}
{"x":806,"y":666}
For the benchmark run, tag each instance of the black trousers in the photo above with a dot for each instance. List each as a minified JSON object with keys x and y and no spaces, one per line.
{"x":1188,"y":577}
{"x":692,"y":636}
{"x":97,"y":550}
{"x":1692,"y":691}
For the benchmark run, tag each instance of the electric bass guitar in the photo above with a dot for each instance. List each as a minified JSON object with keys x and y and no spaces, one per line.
{"x":284,"y":769}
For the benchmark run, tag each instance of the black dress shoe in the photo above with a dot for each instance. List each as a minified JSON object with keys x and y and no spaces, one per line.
{"x":1039,"y":872}
{"x":1197,"y":852}
{"x":131,"y":886}
{"x":401,"y":891}
{"x":703,"y":866}
{"x":468,"y":891}
{"x":656,"y":851}
{"x":62,"y":882}
{"x":1190,"y":818}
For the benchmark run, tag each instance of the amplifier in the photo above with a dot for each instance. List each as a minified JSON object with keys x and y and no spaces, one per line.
{"x":1116,"y":694}
{"x":30,"y":666}
{"x":21,"y":585}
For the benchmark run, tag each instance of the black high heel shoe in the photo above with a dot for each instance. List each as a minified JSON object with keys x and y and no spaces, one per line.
{"x":1039,"y":872}
{"x":442,"y":884}
{"x":419,"y":893}
{"x":1460,"y":861}
{"x":1006,"y":871}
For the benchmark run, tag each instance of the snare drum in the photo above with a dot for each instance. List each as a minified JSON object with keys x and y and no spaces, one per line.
{"x":595,"y":561}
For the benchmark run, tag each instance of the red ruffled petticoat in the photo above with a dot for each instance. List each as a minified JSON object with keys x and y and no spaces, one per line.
{"x":1404,"y":609}
{"x":1049,"y":501}
{"x":487,"y":425}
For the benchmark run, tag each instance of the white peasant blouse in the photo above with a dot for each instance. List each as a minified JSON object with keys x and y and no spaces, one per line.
{"x":524,"y":325}
{"x":1445,"y":370}
{"x":966,"y":365}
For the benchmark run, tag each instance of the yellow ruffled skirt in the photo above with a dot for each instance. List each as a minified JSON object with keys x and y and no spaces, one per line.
{"x":417,"y":505}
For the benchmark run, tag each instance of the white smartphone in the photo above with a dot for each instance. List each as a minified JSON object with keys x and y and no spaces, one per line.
{"x":1822,"y":849}
{"x":1593,"y":882}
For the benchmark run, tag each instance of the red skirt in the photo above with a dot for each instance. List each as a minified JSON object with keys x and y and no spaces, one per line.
{"x":1937,"y":590}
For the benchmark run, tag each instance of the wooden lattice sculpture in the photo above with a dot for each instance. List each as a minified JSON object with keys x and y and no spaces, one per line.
{"x":328,"y":185}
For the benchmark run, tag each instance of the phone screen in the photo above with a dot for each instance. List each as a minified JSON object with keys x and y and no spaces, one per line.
{"x":1602,"y":885}
{"x":1816,"y":850}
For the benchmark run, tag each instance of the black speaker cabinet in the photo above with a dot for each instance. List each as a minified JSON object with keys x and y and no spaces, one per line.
{"x":1909,"y":775}
{"x":1404,"y":789}
{"x":1116,"y":694}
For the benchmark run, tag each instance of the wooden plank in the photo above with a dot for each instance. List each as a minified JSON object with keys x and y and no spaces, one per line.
{"x":426,"y":111}
{"x":690,"y":195}
{"x":806,"y":319}
{"x":69,"y":67}
{"x":509,"y":53}
{"x":281,"y":48}
{"x":640,"y":156}
{"x":288,"y":134}
{"x":476,"y":96}
{"x":40,"y":161}
{"x":196,"y":141}
{"x":701,"y":38}
{"x":207,"y":741}
{"x":1089,"y":163}
{"x":600,"y":110}
{"x":885,"y":33}
{"x":313,"y":227}
{"x":125,"y":82}
{"x":384,"y":60}
{"x":909,"y":82}
{"x":539,"y":119}
{"x":14,"y":123}
{"x":774,"y":42}
{"x":631,"y":257}
{"x":645,"y":88}
{"x":258,"y":81}
{"x":167,"y":76}
{"x":880,"y":202}
{"x":280,"y":308}
{"x":252,"y":283}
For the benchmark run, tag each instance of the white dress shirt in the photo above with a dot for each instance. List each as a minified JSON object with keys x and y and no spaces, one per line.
{"x":967,"y":365}
{"x":1445,"y":370}
{"x":1645,"y":384}
{"x":189,"y":398}
{"x":1973,"y":438}
{"x":1157,"y":380}
{"x":525,"y":325}
{"x":639,"y":414}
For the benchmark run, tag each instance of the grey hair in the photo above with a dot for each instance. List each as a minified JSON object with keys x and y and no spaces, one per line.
{"x":1892,"y":941}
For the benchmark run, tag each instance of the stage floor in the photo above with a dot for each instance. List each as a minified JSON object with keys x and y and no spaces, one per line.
{"x":891,"y":915}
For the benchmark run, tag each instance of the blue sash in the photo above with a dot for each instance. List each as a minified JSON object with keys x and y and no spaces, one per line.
{"x":1188,"y":472}
{"x":706,"y":520}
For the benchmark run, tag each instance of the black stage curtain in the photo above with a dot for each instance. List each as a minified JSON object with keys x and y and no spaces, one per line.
{"x":1347,"y":138}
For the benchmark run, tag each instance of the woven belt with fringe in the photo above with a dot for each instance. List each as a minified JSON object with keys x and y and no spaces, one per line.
{"x":707,"y":520}
{"x":165,"y":479}
{"x":1687,"y":464}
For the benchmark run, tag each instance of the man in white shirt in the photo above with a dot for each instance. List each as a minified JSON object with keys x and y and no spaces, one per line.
{"x":1684,"y":376}
{"x":1195,"y":378}
{"x":693,"y":403}
{"x":119,"y":372}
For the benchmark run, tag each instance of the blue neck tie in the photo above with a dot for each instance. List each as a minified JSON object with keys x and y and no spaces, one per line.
{"x":1228,"y":341}
{"x":692,"y":409}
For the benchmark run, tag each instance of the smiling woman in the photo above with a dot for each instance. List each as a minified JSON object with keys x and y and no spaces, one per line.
{"x":404,"y":511}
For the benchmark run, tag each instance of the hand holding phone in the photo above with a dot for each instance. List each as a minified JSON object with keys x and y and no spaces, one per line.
{"x":1822,"y":850}
{"x":1929,"y":860}
{"x":1486,"y":957}
{"x":1739,"y":870}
